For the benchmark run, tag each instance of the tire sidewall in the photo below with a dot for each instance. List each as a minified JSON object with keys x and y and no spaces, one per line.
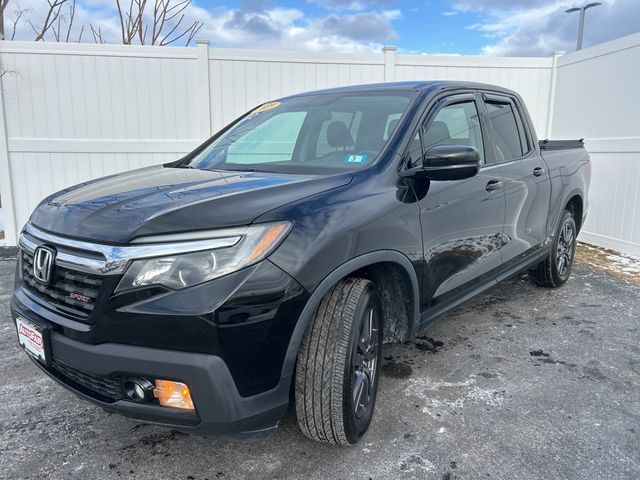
{"x":355,"y":428}
{"x":557,"y":279}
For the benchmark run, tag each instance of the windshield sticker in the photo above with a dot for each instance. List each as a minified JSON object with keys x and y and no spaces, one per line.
{"x":355,"y":158}
{"x":266,"y":107}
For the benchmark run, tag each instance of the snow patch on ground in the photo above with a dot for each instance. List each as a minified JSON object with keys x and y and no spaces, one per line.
{"x":441,"y":397}
{"x":620,"y":265}
{"x":416,"y":462}
{"x":624,"y":263}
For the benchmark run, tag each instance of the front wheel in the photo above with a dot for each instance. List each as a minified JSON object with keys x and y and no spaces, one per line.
{"x":555,"y":269}
{"x":339,"y":364}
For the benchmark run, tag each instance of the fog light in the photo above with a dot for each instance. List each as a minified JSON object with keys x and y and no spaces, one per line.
{"x":173,"y":394}
{"x":138,"y":389}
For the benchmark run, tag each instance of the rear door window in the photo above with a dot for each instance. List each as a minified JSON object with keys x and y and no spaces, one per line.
{"x":506,"y":135}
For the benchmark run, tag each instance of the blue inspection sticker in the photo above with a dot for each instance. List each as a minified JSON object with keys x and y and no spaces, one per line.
{"x":355,"y":158}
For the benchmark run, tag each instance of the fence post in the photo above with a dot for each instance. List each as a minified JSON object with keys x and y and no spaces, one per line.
{"x":389,"y":63}
{"x":204,"y":89}
{"x":552,"y":91}
{"x":6,"y":186}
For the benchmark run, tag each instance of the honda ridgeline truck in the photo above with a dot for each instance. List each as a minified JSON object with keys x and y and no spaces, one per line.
{"x":269,"y":265}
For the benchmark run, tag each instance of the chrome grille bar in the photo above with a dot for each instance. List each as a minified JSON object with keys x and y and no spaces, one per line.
{"x":116,"y":258}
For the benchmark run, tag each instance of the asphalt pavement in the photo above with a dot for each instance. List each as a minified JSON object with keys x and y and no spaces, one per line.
{"x":519,"y":383}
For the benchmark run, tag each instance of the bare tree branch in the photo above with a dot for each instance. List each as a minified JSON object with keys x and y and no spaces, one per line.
{"x":18,"y":12}
{"x":72,"y":14}
{"x":53,"y":15}
{"x":195,"y":28}
{"x":164,"y":27}
{"x":55,"y":28}
{"x":4,"y":71}
{"x":3,"y":7}
{"x":97,"y":34}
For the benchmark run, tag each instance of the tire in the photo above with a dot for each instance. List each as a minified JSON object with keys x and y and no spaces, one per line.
{"x":340,"y":353}
{"x":554,"y":271}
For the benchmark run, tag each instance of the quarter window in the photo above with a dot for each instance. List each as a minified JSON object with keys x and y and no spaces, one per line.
{"x":505,"y":131}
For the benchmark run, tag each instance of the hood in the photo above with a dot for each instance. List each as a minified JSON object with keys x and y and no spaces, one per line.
{"x":159,"y":200}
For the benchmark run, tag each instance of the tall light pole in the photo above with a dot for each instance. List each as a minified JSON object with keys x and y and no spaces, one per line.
{"x":581,"y":9}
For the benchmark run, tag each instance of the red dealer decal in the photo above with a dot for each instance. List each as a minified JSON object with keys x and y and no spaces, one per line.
{"x":31,"y":335}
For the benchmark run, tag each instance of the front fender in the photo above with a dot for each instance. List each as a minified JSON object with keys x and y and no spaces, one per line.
{"x":344,"y":270}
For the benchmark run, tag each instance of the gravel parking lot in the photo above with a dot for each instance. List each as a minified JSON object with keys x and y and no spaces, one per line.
{"x":521,"y":382}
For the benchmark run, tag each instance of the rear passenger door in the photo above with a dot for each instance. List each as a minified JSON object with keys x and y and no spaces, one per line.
{"x":525,"y":175}
{"x":461,"y":220}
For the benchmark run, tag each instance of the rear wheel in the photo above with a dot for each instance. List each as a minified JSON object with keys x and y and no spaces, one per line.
{"x":555,"y":269}
{"x":338,"y":364}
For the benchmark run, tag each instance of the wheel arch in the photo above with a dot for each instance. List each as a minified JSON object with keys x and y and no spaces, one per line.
{"x":368,"y":265}
{"x":575,"y":205}
{"x":573,"y":199}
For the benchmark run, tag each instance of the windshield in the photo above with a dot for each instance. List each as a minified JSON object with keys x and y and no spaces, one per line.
{"x":326,"y":133}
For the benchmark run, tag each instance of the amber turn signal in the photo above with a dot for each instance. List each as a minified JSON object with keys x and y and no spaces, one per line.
{"x":173,"y":394}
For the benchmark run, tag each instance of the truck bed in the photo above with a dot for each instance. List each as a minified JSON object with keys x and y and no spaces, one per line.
{"x":560,"y":144}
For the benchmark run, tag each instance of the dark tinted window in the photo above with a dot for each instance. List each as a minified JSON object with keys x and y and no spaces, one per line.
{"x":505,"y":131}
{"x":456,"y":124}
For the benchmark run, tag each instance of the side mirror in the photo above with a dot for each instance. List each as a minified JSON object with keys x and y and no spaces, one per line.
{"x":447,"y":162}
{"x":451,"y":162}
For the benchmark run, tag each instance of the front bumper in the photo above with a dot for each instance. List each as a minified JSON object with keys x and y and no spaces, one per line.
{"x":220,"y":409}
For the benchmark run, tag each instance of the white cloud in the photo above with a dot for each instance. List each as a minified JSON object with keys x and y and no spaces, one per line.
{"x":516,"y":27}
{"x":353,"y":5}
{"x":253,"y":25}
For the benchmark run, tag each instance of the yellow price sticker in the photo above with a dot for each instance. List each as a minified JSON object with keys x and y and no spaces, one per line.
{"x":266,"y":106}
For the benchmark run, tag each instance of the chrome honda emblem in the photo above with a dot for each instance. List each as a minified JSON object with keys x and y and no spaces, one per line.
{"x":43,"y":264}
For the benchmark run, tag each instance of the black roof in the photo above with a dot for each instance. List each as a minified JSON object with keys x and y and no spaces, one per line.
{"x":408,"y":86}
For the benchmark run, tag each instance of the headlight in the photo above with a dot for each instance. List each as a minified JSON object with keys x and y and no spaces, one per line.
{"x":254,"y":243}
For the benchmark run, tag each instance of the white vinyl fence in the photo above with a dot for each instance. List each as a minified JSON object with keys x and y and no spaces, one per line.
{"x":598,"y":97}
{"x":72,"y":112}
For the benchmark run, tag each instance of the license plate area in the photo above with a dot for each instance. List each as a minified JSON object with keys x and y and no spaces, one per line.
{"x":34,"y":339}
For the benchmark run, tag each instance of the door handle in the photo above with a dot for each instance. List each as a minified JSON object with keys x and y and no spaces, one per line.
{"x":493,"y":185}
{"x":538,"y":171}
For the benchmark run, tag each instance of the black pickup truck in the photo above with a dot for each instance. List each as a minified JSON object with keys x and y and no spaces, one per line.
{"x":270,"y":264}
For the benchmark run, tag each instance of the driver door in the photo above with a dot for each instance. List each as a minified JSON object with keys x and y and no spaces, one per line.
{"x":462,"y":219}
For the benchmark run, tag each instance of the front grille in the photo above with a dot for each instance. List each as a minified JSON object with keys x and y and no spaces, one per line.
{"x":70,"y":291}
{"x":101,"y":388}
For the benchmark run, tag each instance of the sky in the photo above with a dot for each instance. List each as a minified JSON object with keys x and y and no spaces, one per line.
{"x":451,"y":27}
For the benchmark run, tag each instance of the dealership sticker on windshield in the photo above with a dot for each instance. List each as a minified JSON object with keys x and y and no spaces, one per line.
{"x":265,"y":107}
{"x":355,"y":158}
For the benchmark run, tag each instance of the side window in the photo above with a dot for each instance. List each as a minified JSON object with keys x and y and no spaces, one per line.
{"x":505,"y":131}
{"x":272,"y":141}
{"x":456,"y":124}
